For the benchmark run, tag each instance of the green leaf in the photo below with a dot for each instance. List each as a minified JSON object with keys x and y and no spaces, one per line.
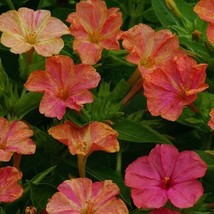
{"x":138,"y":132}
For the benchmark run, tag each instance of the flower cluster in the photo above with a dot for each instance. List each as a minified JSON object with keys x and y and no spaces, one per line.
{"x":72,"y":88}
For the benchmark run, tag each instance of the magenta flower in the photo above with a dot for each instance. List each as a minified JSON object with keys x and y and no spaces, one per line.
{"x":94,"y":27}
{"x":170,"y":88}
{"x":165,"y":174}
{"x":10,"y":189}
{"x":63,"y":84}
{"x":80,"y":195}
{"x":26,"y":29}
{"x":15,"y":137}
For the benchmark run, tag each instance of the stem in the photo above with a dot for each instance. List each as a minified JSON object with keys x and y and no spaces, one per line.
{"x":30,"y":56}
{"x":119,"y":162}
{"x":81,"y":162}
{"x":10,"y":4}
{"x":134,"y":77}
{"x":194,"y":108}
{"x":17,"y":160}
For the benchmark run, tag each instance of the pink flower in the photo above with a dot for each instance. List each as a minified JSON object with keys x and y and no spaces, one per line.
{"x":94,"y":27}
{"x":164,"y":210}
{"x":80,"y":195}
{"x":205,"y":10}
{"x":211,"y":121}
{"x":85,"y":140}
{"x":165,"y":174}
{"x":10,"y":190}
{"x":15,"y":137}
{"x":63,"y":84}
{"x":149,"y":49}
{"x":170,"y":88}
{"x":26,"y":29}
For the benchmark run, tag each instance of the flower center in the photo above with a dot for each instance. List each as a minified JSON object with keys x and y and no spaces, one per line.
{"x":62,"y":94}
{"x":88,"y":208}
{"x":95,"y":37}
{"x":165,"y":184}
{"x":31,"y":38}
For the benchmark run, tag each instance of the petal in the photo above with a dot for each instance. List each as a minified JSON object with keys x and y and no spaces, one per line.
{"x":17,"y":44}
{"x":10,"y":190}
{"x":164,"y":210}
{"x":185,"y":194}
{"x":148,"y":198}
{"x":5,"y":155}
{"x":92,"y":14}
{"x":163,"y":158}
{"x":51,"y":106}
{"x":10,"y":23}
{"x":38,"y":81}
{"x":189,"y":166}
{"x":210,"y":33}
{"x":90,"y":53}
{"x":211,"y":121}
{"x":49,"y":47}
{"x":205,"y":9}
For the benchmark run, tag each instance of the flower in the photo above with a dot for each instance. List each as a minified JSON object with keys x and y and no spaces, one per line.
{"x":26,"y":29}
{"x":63,"y":84}
{"x":149,"y":49}
{"x":87,"y":139}
{"x":10,"y":190}
{"x":94,"y":27}
{"x":165,"y":174}
{"x":164,"y":210}
{"x":15,"y":137}
{"x":170,"y":88}
{"x":211,"y":121}
{"x":205,"y":10}
{"x":80,"y":195}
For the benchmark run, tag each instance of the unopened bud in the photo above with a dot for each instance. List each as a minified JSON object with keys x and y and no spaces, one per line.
{"x":30,"y":210}
{"x":173,"y":7}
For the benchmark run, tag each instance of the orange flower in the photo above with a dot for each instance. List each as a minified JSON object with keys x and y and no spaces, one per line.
{"x":149,"y":49}
{"x":63,"y":84}
{"x":205,"y":10}
{"x":26,"y":29}
{"x":10,"y":190}
{"x":94,"y":27}
{"x":80,"y":195}
{"x":15,"y":137}
{"x":170,"y":88}
{"x":84,"y":140}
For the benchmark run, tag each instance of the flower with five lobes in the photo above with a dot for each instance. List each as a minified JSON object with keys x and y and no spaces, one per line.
{"x":81,"y":196}
{"x":94,"y":27}
{"x":205,"y":10}
{"x":10,"y":189}
{"x":165,"y":174}
{"x":26,"y":29}
{"x":64,"y":84}
{"x":87,"y":139}
{"x":149,"y":49}
{"x":15,"y":137}
{"x":170,"y":88}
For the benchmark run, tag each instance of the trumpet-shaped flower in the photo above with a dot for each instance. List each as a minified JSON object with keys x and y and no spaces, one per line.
{"x":63,"y":84}
{"x":149,"y":49}
{"x":26,"y":29}
{"x":84,"y":140}
{"x":165,"y":174}
{"x":80,"y":195}
{"x":10,"y":189}
{"x":94,"y":27}
{"x":164,"y":210}
{"x":170,"y":88}
{"x":205,"y":10}
{"x":15,"y":137}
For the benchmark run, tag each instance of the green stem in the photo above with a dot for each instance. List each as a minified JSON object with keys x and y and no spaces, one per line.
{"x":81,"y":162}
{"x":10,"y":4}
{"x":119,"y":162}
